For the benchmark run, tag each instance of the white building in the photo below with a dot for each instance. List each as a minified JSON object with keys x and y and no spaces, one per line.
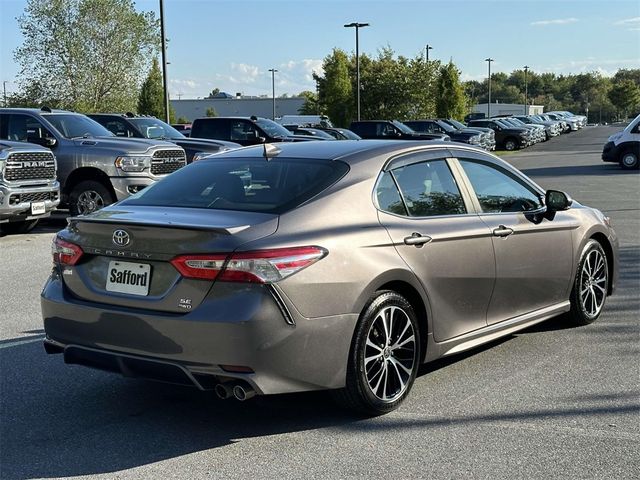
{"x":237,"y":107}
{"x":507,"y":109}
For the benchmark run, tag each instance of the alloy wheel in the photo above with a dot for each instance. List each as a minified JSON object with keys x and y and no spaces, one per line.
{"x":593,"y":283}
{"x":390,"y":353}
{"x":89,"y":201}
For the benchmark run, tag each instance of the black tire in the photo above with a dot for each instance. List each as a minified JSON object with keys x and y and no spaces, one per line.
{"x":18,"y":227}
{"x":590,"y":286}
{"x":510,"y":144}
{"x":629,"y":160}
{"x":397,"y":365}
{"x":89,"y":196}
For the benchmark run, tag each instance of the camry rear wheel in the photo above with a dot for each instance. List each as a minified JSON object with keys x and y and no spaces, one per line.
{"x":383,"y":360}
{"x":590,"y":286}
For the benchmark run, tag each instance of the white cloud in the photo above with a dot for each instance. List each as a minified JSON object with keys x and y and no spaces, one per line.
{"x":632,"y":22}
{"x":557,"y":21}
{"x":248,"y":73}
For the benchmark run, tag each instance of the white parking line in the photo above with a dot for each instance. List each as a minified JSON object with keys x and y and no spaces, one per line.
{"x":39,"y":338}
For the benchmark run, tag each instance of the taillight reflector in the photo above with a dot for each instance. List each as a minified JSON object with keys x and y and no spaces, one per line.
{"x":65,"y":253}
{"x":204,"y":267}
{"x":260,"y":266}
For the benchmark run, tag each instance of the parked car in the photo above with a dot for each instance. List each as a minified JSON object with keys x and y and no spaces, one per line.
{"x":317,"y":133}
{"x":580,"y":119}
{"x":624,"y":147}
{"x":29,"y":190}
{"x":551,"y":129}
{"x":308,"y":120}
{"x":322,"y":265}
{"x":489,"y":136}
{"x":94,"y":167}
{"x":507,"y":137}
{"x":443,"y":128}
{"x":142,"y":126}
{"x":572,"y":124}
{"x":183,"y":128}
{"x":391,"y":130}
{"x":341,"y":133}
{"x":244,"y":130}
{"x":536,"y":131}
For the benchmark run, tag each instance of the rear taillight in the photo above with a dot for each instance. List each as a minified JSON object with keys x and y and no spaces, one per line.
{"x":65,"y":253}
{"x":260,"y":266}
{"x":204,"y":267}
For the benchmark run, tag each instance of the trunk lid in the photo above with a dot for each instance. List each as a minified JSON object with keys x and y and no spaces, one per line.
{"x":142,"y":241}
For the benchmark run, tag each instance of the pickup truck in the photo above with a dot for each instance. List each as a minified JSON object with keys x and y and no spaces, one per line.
{"x":95,"y":168}
{"x":29,"y":190}
{"x":391,"y":130}
{"x":142,"y":126}
{"x":244,"y":130}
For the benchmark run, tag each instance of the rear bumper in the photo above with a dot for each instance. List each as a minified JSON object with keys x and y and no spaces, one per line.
{"x":309,"y":355}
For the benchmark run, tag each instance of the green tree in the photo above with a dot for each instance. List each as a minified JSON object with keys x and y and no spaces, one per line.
{"x":311,"y":105}
{"x":151,"y":97}
{"x":451,"y":101}
{"x":182,"y":120}
{"x":85,"y":55}
{"x":625,"y":96}
{"x":336,"y":94}
{"x":211,"y":112}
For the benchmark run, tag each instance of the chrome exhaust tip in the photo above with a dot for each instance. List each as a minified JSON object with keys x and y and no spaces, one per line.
{"x":223,"y":391}
{"x":242,"y":392}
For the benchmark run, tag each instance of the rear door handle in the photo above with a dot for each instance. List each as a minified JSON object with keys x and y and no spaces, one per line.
{"x":417,"y":239}
{"x":502,"y":231}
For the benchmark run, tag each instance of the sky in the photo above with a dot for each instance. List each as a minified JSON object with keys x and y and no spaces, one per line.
{"x":231,"y":44}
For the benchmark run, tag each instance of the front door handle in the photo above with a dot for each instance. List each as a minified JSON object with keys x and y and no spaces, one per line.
{"x":417,"y":239}
{"x":502,"y":231}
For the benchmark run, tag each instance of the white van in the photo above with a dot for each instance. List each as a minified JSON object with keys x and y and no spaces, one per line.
{"x":624,"y":147}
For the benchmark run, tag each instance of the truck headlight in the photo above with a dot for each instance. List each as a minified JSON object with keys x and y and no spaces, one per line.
{"x":474,"y":140}
{"x":133,"y":163}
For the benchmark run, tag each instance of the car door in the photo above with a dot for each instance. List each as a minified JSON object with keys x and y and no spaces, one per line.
{"x":434,"y":229}
{"x":534,"y":253}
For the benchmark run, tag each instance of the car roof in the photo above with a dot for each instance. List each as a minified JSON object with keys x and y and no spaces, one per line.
{"x":38,"y":111}
{"x":345,"y":150}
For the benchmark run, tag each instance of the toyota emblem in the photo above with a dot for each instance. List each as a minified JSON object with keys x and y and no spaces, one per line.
{"x":121,"y":238}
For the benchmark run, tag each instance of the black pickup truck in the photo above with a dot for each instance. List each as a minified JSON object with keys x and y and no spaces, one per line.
{"x":244,"y":130}
{"x":391,"y":130}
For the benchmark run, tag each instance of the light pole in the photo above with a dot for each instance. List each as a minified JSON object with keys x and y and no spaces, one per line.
{"x":526,"y":91}
{"x":164,"y":63}
{"x":489,"y":60}
{"x":357,"y":26}
{"x":426,"y":52}
{"x":273,"y":91}
{"x":4,"y":91}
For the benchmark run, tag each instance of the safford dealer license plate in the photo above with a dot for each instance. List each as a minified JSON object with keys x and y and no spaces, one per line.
{"x":127,"y":277}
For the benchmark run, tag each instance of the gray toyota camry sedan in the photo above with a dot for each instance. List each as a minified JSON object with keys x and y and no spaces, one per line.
{"x":322,"y":265}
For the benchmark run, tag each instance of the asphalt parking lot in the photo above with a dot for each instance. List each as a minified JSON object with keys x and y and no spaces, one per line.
{"x":548,"y":402}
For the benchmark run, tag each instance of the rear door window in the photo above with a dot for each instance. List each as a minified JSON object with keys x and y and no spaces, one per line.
{"x":253,"y":185}
{"x":425,"y":189}
{"x":211,"y":128}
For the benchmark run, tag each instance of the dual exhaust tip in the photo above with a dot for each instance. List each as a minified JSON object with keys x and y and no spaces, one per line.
{"x":239,"y":391}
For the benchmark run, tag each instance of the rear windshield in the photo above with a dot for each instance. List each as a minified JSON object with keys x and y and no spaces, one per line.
{"x":249,"y":185}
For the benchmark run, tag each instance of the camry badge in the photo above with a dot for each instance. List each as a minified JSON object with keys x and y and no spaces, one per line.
{"x":121,"y":238}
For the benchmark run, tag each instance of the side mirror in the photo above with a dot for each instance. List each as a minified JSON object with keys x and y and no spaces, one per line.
{"x":557,"y":201}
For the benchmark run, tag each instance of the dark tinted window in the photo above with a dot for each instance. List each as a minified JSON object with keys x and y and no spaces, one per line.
{"x":365,"y":129}
{"x":253,"y":185}
{"x":210,"y":128}
{"x":498,"y":191}
{"x":23,"y":128}
{"x":429,"y":189}
{"x":388,"y":197}
{"x":242,"y":131}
